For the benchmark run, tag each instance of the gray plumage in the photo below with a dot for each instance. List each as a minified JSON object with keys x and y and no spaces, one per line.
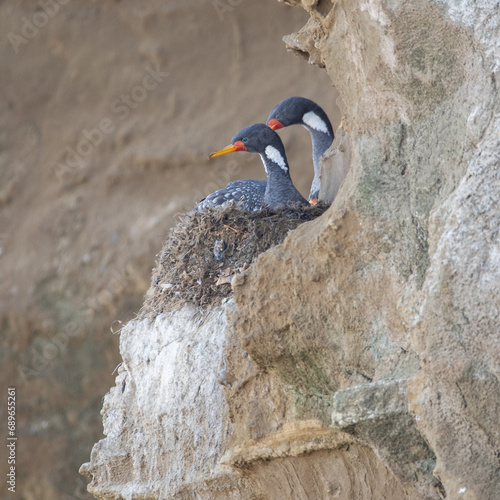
{"x":249,"y":192}
{"x":302,"y":111}
{"x":276,"y":192}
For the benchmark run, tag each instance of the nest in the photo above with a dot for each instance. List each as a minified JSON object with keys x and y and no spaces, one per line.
{"x":206,"y":248}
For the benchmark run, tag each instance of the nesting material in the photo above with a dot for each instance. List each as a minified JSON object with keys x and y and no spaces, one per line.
{"x":207,"y":248}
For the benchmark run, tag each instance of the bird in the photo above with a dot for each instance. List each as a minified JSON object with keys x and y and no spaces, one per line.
{"x":302,"y":111}
{"x":278,"y":191}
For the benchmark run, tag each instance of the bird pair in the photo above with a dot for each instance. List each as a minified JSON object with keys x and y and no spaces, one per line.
{"x":278,"y":190}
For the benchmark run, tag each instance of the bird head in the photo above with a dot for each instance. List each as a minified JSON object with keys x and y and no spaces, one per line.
{"x":300,"y":111}
{"x":289,"y":112}
{"x":253,"y":139}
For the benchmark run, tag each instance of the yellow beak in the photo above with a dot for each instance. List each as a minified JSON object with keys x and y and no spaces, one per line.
{"x":225,"y":151}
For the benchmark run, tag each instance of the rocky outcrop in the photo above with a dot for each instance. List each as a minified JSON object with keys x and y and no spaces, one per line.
{"x":166,"y":358}
{"x":175,"y":427}
{"x":361,"y":357}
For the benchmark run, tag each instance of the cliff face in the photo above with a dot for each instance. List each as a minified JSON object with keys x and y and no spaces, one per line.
{"x":108,"y":111}
{"x":360,"y":358}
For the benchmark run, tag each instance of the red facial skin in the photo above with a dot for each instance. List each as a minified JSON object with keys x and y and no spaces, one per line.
{"x":239,"y":146}
{"x":274,"y":124}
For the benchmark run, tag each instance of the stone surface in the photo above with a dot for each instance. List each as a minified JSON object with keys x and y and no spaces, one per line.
{"x":160,"y":391}
{"x":409,"y":257}
{"x":378,"y":414}
{"x":172,"y":432}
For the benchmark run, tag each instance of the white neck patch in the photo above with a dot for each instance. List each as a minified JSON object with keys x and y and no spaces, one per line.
{"x":275,"y":156}
{"x":264,"y":162}
{"x":311,"y":119}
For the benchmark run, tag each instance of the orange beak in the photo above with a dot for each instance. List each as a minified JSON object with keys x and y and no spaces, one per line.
{"x":274,"y":124}
{"x":314,"y":201}
{"x":237,"y":146}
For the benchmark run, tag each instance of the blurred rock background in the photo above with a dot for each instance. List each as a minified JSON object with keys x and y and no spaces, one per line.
{"x":108,"y":111}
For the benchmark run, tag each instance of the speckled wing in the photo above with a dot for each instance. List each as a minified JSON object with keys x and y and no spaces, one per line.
{"x":249,"y":192}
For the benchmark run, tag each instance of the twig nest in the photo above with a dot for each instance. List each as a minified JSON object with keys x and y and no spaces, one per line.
{"x":206,"y":249}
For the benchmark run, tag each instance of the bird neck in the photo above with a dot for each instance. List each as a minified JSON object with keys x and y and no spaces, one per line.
{"x":278,"y":175}
{"x":274,"y":160}
{"x":319,"y":127}
{"x":321,"y":141}
{"x":276,"y":165}
{"x":279,"y":183}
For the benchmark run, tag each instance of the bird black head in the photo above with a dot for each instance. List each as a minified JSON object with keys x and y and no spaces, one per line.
{"x":254,"y":139}
{"x":299,"y":111}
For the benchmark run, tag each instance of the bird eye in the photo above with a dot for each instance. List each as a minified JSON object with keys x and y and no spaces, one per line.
{"x":244,"y":140}
{"x":278,"y":116}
